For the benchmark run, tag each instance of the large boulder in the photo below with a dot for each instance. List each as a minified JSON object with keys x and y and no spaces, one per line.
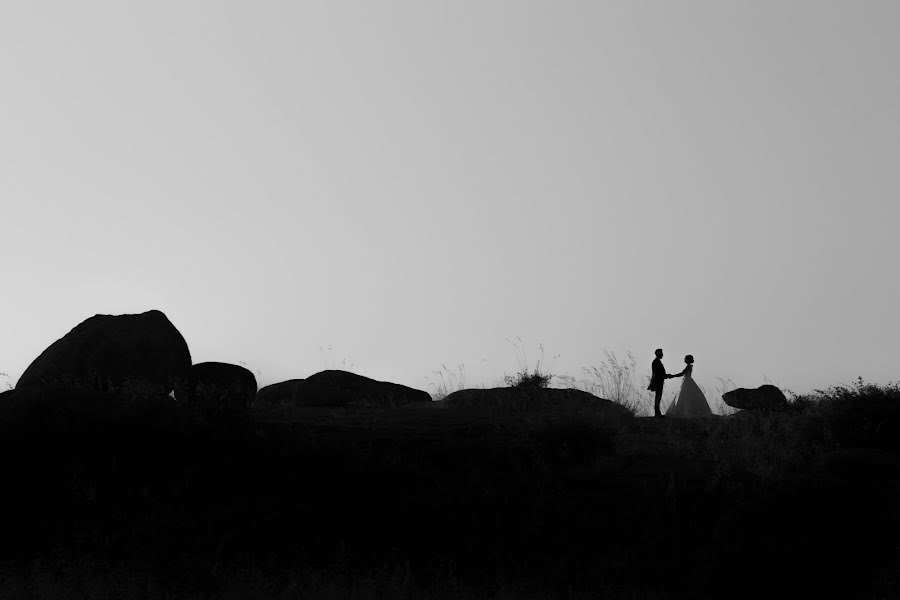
{"x":340,"y":388}
{"x":143,"y":354}
{"x":523,"y":399}
{"x":300,"y":392}
{"x":765,"y":397}
{"x":364,"y":390}
{"x":216,"y":390}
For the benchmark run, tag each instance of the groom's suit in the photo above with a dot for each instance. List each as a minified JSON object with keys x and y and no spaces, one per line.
{"x":656,"y":383}
{"x":658,"y":377}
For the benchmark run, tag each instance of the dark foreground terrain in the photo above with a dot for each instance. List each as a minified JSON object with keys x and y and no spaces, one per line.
{"x":111,"y":497}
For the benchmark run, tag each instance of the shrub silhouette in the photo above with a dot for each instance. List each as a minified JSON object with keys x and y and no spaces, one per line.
{"x":524,"y":379}
{"x":527,"y":380}
{"x":861,"y":415}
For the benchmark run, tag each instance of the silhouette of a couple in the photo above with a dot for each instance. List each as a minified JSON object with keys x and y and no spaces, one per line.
{"x":690,"y":402}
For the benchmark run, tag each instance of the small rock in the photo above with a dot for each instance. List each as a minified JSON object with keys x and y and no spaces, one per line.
{"x":765,"y":397}
{"x":219,"y":390}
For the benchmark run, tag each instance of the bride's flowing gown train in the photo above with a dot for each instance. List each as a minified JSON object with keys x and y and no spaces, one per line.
{"x":690,"y":402}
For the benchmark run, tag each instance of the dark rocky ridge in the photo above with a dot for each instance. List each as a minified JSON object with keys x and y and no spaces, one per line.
{"x":556,"y":492}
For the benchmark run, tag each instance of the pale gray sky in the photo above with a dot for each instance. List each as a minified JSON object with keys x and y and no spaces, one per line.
{"x":413,"y":183}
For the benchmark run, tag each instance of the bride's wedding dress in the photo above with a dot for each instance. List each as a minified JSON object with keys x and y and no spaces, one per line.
{"x":690,"y":402}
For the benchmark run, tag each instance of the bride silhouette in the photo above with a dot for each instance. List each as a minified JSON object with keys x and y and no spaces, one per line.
{"x":690,"y":402}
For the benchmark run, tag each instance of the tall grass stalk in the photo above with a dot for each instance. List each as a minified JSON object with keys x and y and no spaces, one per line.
{"x":524,"y":378}
{"x":448,"y":381}
{"x":617,"y":380}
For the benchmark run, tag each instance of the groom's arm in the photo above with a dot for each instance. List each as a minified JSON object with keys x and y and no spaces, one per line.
{"x":659,"y":370}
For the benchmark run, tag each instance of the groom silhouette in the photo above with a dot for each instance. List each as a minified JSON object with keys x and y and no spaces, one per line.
{"x":657,"y":379}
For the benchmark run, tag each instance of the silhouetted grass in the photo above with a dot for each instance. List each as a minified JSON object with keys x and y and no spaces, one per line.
{"x":617,"y":380}
{"x":446,"y":381}
{"x":523,"y":378}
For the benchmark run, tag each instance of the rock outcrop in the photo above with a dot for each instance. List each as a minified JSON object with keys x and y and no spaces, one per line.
{"x":143,"y":354}
{"x":299,"y":392}
{"x":340,"y":388}
{"x":765,"y":397}
{"x":216,"y":390}
{"x":513,"y":400}
{"x":363,"y":390}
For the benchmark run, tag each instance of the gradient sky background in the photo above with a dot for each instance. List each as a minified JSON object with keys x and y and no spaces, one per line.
{"x":414,"y":183}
